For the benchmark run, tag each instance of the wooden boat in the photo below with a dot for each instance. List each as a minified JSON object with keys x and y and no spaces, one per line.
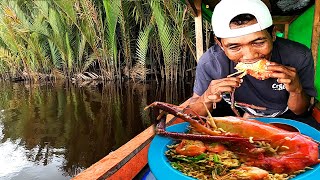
{"x":124,"y":163}
{"x":130,"y":160}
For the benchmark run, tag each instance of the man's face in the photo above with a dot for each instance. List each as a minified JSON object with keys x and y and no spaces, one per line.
{"x":248,"y":48}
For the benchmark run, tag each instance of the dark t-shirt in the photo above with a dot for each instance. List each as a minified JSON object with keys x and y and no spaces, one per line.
{"x":214,"y":64}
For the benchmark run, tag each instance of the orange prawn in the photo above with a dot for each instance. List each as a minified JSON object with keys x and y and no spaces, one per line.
{"x":291,"y":151}
{"x":256,"y":69}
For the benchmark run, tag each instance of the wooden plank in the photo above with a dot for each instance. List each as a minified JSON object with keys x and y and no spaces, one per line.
{"x":315,"y":32}
{"x":198,"y":29}
{"x":133,"y":167}
{"x":283,"y":19}
{"x":286,"y":30}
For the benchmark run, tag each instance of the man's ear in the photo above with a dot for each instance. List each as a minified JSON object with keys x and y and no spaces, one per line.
{"x":218,"y":42}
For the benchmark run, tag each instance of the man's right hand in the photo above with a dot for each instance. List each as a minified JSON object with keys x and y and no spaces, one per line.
{"x":217,"y":87}
{"x":210,"y":96}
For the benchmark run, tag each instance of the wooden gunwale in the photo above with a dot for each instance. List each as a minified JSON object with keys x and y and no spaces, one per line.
{"x":315,"y":32}
{"x":121,"y":158}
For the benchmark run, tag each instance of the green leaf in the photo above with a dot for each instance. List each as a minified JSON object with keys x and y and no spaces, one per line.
{"x":142,"y":45}
{"x":216,"y":158}
{"x":69,"y":53}
{"x":176,"y":165}
{"x":67,"y":8}
{"x":112,"y":14}
{"x":193,"y":159}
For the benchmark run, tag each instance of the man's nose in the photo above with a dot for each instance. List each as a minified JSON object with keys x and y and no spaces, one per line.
{"x":249,"y":53}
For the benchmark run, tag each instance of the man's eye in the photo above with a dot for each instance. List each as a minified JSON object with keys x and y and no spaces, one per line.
{"x":234,"y":48}
{"x":258,"y":43}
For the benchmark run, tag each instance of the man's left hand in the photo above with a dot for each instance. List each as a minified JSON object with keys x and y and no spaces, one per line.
{"x":286,"y":75}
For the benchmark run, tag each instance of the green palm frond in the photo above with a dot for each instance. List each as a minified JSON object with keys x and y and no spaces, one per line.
{"x":81,"y":50}
{"x":38,"y":49}
{"x":56,"y":25}
{"x":89,"y":62}
{"x":7,"y":58}
{"x":165,"y":34}
{"x":42,"y":7}
{"x":69,"y":53}
{"x":22,"y":19}
{"x":189,"y":39}
{"x":72,"y":36}
{"x":2,"y":43}
{"x":67,"y":8}
{"x":7,"y":39}
{"x":124,"y":20}
{"x":112,"y":13}
{"x":139,"y":12}
{"x":55,"y":55}
{"x":16,"y":27}
{"x":89,"y":23}
{"x":142,"y":45}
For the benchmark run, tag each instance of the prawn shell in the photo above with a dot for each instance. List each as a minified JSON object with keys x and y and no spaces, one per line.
{"x":256,"y":70}
{"x":296,"y":151}
{"x":259,"y":75}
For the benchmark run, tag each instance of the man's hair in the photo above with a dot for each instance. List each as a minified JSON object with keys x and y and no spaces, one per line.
{"x":242,"y":19}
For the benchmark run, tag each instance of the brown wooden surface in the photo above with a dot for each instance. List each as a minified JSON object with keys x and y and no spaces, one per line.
{"x":198,"y":29}
{"x":283,"y":19}
{"x":315,"y":32}
{"x":286,"y":31}
{"x":133,"y":167}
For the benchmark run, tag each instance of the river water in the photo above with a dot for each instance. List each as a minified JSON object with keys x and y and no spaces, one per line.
{"x":56,"y":130}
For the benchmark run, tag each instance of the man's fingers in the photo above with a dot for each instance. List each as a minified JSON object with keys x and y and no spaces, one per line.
{"x":291,"y":68}
{"x":223,"y":89}
{"x":215,"y":97}
{"x":282,"y":69}
{"x":217,"y":87}
{"x":278,"y":75}
{"x":236,"y":82}
{"x":284,"y":81}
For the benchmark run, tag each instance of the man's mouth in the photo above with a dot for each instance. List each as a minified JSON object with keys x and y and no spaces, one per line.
{"x":251,"y":61}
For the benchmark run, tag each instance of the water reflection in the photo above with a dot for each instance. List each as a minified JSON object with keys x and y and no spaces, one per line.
{"x":54,"y":131}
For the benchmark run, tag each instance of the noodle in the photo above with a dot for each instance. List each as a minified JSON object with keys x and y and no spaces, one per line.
{"x":222,"y":166}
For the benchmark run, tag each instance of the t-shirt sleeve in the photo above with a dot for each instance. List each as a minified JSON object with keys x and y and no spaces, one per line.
{"x":206,"y":69}
{"x":213,"y":64}
{"x":201,"y":83}
{"x":306,"y":75}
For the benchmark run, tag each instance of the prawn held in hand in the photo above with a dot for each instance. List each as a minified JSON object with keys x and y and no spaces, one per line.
{"x":257,"y":69}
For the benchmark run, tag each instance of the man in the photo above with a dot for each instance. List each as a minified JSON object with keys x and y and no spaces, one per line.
{"x":244,"y":33}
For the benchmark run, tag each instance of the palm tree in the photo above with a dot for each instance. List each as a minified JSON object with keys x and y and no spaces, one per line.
{"x":91,"y":39}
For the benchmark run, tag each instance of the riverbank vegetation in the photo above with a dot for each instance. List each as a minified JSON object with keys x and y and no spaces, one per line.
{"x":96,"y":40}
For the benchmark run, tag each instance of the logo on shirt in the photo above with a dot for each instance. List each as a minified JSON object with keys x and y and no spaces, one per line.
{"x":278,"y":87}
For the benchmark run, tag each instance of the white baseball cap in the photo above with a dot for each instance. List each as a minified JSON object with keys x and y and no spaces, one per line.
{"x":226,"y":10}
